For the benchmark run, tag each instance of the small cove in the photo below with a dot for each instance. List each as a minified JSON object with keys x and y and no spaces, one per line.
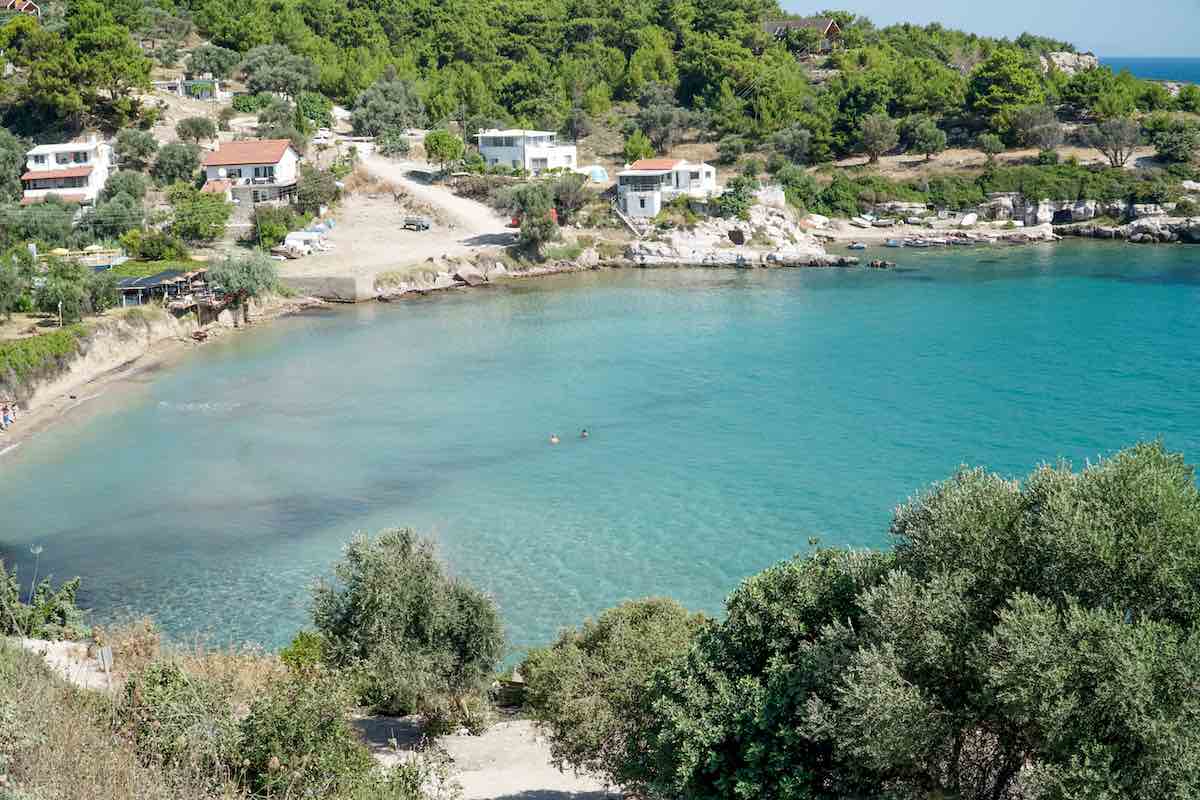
{"x":734,"y":414}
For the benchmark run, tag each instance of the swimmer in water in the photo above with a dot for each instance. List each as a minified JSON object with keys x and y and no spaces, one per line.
{"x":554,"y":438}
{"x":583,"y":434}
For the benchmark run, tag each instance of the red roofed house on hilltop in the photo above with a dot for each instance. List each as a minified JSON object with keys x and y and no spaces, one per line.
{"x":75,"y":171}
{"x":253,"y":170}
{"x":644,"y":186}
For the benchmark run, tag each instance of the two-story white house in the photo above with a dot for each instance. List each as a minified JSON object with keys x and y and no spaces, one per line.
{"x":76,"y":171}
{"x":253,"y":170}
{"x":532,"y":151}
{"x":644,"y":186}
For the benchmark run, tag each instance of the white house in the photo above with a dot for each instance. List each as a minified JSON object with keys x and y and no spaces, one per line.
{"x":532,"y":151}
{"x":75,"y":171}
{"x":257,"y":170}
{"x":644,"y":186}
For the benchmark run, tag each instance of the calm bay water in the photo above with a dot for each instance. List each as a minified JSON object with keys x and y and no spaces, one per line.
{"x":1159,"y":69}
{"x":734,"y":414}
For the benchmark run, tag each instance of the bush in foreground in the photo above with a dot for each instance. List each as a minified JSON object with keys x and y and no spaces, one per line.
{"x":414,"y":636}
{"x":1023,"y":640}
{"x":590,"y":688}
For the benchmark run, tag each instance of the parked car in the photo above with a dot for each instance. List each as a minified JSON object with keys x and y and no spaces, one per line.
{"x":417,"y":223}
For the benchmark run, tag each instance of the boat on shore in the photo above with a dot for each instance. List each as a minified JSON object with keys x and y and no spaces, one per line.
{"x":857,"y":246}
{"x":894,"y":243}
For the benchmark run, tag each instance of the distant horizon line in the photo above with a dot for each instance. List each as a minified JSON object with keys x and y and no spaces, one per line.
{"x":1147,"y":58}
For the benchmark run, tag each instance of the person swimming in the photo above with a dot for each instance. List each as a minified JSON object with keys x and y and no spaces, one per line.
{"x":583,"y":434}
{"x":554,"y":438}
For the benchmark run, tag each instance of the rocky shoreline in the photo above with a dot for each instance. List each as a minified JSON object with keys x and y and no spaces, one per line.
{"x":1148,"y":230}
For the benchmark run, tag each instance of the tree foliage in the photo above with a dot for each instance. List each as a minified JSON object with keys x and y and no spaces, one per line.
{"x":1022,"y":639}
{"x":210,"y":59}
{"x":387,"y":105}
{"x":197,"y":216}
{"x":1115,"y":138}
{"x":877,"y":135}
{"x":196,"y":129}
{"x":135,"y":149}
{"x":443,"y":148}
{"x":176,"y":163}
{"x":590,"y":688}
{"x":412,"y":633}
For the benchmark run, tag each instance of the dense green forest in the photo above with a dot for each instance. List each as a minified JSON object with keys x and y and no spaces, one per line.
{"x":547,"y":64}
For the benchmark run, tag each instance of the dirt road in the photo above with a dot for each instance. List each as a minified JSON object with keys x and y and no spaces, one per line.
{"x":369,"y":238}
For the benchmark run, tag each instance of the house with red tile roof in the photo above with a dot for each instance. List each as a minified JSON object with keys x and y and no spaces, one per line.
{"x":648,"y":184}
{"x":253,"y":170}
{"x":75,"y":171}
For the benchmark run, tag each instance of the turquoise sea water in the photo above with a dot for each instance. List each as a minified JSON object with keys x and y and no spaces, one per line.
{"x":1161,"y":69}
{"x":734,"y":414}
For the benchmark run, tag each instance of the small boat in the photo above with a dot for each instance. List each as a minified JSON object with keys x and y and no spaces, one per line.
{"x":893,"y":243}
{"x":916,"y":243}
{"x":857,"y":246}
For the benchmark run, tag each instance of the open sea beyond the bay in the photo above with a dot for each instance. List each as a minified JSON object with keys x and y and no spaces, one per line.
{"x":1157,"y":68}
{"x":734,"y":414}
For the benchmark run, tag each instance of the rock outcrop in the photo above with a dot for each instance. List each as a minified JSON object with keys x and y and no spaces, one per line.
{"x":770,"y":237}
{"x":1069,"y":63}
{"x":1148,"y":230}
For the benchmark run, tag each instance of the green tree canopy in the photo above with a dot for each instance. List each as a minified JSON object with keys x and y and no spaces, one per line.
{"x":197,"y":216}
{"x":590,"y":689}
{"x":443,"y":148}
{"x":210,"y":59}
{"x":388,"y":104}
{"x":1007,"y":80}
{"x":196,"y":129}
{"x":176,"y":163}
{"x":135,"y":149}
{"x":411,"y":632}
{"x":1021,"y":637}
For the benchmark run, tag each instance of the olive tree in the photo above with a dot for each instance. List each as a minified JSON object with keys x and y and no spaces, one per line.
{"x":1115,"y":138}
{"x":177,"y":162}
{"x":1036,"y":126}
{"x":135,"y":149}
{"x":878,"y":134}
{"x":443,"y":148}
{"x":196,"y":129}
{"x":532,"y":204}
{"x":589,"y":689}
{"x":1022,"y":639}
{"x":209,"y":59}
{"x":928,"y":139}
{"x":415,"y":637}
{"x":243,"y":279}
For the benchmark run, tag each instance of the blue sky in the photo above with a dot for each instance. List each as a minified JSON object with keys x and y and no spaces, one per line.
{"x":1106,"y":27}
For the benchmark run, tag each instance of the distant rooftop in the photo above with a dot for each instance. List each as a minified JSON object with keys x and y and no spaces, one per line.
{"x":513,"y":132}
{"x":65,"y":147}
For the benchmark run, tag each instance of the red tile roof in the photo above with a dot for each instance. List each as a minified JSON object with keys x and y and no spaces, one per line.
{"x":249,"y":151}
{"x":52,"y":174}
{"x":656,"y":163}
{"x":66,"y":198}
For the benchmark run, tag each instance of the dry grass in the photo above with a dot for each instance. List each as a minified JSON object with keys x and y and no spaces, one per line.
{"x":56,"y":742}
{"x":244,"y":670}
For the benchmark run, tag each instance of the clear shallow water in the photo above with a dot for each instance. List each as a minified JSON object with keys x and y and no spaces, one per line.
{"x":1159,"y":69}
{"x":734,"y":415}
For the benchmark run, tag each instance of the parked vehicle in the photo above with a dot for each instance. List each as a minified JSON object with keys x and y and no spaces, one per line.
{"x":417,"y":223}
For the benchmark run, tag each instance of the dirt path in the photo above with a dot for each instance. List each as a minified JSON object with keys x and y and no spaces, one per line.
{"x":510,"y":760}
{"x":369,"y":238}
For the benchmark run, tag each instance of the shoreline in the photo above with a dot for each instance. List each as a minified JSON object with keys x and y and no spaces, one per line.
{"x":72,"y":396}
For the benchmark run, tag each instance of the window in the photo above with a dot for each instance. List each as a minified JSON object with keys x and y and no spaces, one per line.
{"x":695,"y":176}
{"x":540,"y":163}
{"x":264,"y":172}
{"x":39,"y":159}
{"x":641,"y":202}
{"x":236,"y":172}
{"x":62,"y":158}
{"x":81,"y":157}
{"x":568,"y":159}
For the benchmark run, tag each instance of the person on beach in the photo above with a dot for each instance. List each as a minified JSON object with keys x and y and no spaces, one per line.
{"x":554,"y":438}
{"x":5,"y":417}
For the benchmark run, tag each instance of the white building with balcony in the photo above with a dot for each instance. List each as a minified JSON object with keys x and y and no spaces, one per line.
{"x":532,"y":151}
{"x":645,"y":186}
{"x":254,"y":170}
{"x":76,"y":171}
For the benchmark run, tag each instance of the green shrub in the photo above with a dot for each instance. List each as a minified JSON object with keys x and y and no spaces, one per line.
{"x":411,"y":633}
{"x":153,"y":245}
{"x":305,"y":650}
{"x":590,"y":688}
{"x":1187,"y":208}
{"x":177,"y":721}
{"x":50,"y":613}
{"x":251,"y":103}
{"x":272,"y":224}
{"x":297,"y":739}
{"x":21,"y":359}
